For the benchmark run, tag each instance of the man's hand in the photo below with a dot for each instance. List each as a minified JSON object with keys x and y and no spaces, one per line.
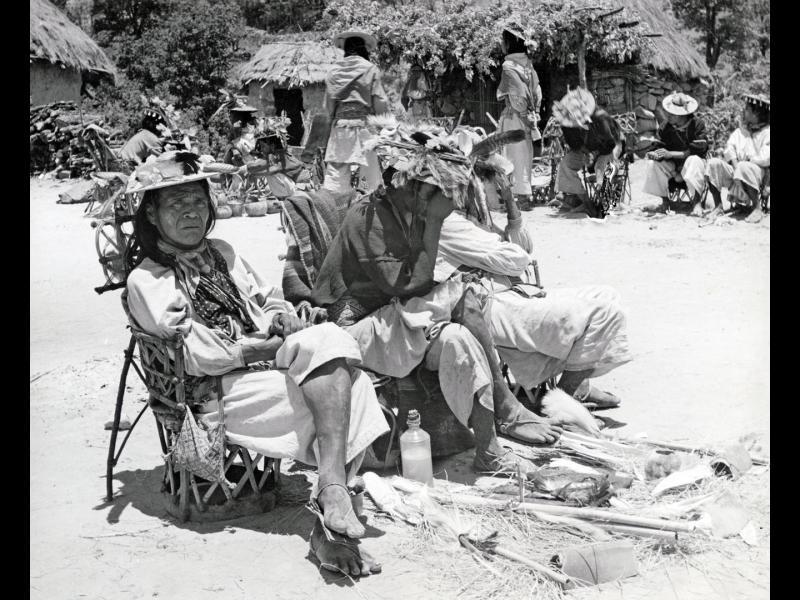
{"x":659,"y":154}
{"x":262,"y":351}
{"x":285,"y":324}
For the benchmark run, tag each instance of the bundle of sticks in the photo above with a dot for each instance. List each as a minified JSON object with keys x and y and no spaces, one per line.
{"x":56,"y":143}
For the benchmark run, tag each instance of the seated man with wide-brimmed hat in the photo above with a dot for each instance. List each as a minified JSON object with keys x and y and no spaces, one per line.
{"x":288,"y":390}
{"x":745,"y":161}
{"x":682,"y":156}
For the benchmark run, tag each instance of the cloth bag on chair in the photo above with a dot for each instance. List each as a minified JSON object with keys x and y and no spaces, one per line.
{"x":201,"y":452}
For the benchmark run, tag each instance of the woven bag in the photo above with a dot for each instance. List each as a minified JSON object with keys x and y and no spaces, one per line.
{"x":201,"y":452}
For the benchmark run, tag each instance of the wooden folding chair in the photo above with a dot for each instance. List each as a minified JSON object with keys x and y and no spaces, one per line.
{"x":255,"y":477}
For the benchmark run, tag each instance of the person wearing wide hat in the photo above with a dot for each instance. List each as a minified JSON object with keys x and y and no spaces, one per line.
{"x":521,"y":94}
{"x":353,"y":91}
{"x":684,"y":144}
{"x":593,"y":140}
{"x":744,"y":161}
{"x":149,"y":140}
{"x":377,"y":281}
{"x":313,"y":405}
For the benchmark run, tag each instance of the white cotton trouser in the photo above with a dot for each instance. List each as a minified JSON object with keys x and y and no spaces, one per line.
{"x":722,"y":175}
{"x":568,"y":180}
{"x":659,"y":172}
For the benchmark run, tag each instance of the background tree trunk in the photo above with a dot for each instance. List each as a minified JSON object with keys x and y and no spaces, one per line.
{"x":582,"y":62}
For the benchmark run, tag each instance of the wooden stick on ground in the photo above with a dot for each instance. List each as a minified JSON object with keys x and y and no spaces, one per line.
{"x":538,"y":567}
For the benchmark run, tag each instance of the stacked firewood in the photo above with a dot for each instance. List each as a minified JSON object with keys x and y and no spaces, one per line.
{"x":56,"y":143}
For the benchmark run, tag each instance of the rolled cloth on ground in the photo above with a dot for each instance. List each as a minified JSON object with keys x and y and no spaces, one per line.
{"x":311,"y":224}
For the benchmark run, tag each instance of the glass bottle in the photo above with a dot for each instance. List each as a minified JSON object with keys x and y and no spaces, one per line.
{"x":415,"y":451}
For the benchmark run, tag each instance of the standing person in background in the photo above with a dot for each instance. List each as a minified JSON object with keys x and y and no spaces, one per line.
{"x":682,"y":156}
{"x":416,"y":97}
{"x":519,"y":89}
{"x":353,"y":91}
{"x":745,"y":161}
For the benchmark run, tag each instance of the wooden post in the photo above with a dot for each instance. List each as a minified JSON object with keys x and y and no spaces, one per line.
{"x":582,"y":61}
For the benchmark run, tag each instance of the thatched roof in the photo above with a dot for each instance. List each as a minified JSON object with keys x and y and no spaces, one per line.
{"x":58,"y":40}
{"x":295,"y":60}
{"x":673,"y":51}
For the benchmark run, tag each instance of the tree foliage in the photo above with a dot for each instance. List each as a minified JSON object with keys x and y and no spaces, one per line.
{"x":281,"y":16}
{"x":736,"y":27}
{"x":458,"y":34}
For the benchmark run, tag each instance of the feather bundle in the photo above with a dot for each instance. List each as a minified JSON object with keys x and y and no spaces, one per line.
{"x":494,"y":142}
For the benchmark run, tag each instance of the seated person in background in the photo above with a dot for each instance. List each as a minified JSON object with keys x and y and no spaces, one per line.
{"x":377,"y":283}
{"x":590,"y":134}
{"x":272,"y":159}
{"x":312,"y":405}
{"x":685,"y":144}
{"x":576,"y":332}
{"x":148,"y":140}
{"x":243,"y":132}
{"x":745,"y":161}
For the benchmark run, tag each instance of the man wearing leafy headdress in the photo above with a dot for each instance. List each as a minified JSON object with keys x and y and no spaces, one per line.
{"x":353,"y":91}
{"x":377,"y":282}
{"x":520,"y":91}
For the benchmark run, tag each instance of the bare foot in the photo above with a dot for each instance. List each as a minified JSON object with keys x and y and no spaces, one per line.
{"x":697,"y":210}
{"x":755,"y":216}
{"x":337,"y":510}
{"x":341,"y":554}
{"x":529,"y":427}
{"x":502,"y":461}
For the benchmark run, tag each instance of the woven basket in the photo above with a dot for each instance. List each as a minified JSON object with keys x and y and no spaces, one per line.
{"x":256,"y":209}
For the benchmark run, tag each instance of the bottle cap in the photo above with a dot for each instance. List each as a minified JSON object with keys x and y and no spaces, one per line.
{"x":413,"y":417}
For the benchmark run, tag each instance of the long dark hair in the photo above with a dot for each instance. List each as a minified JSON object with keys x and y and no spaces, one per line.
{"x":356,"y":45}
{"x":144,"y":243}
{"x":513,"y":43}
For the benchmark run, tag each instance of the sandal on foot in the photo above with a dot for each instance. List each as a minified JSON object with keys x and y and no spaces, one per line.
{"x":596,"y":399}
{"x":314,"y":506}
{"x":505,"y":429}
{"x":329,"y":541}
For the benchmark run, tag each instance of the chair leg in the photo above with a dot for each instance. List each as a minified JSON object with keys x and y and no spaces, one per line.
{"x":112,"y":445}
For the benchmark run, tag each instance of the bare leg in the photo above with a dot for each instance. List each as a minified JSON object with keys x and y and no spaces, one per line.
{"x":327,"y":392}
{"x":489,"y":455}
{"x":522,"y":423}
{"x":756,"y":214}
{"x":576,"y":384}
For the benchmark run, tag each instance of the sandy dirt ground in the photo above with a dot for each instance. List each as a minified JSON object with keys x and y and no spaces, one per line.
{"x":698,"y":318}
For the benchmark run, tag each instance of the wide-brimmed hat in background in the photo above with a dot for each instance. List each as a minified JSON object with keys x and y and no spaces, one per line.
{"x":369,"y":41}
{"x":240,"y":104}
{"x":759,"y":100}
{"x":678,"y":103}
{"x":575,"y":109}
{"x":168,"y":169}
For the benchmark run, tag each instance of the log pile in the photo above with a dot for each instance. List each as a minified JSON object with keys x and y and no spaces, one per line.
{"x":56,"y":144}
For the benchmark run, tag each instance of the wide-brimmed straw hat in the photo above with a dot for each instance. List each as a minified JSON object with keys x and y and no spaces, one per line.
{"x":575,"y":109}
{"x":759,"y":100}
{"x":678,"y":103}
{"x":369,"y":41}
{"x":168,"y":169}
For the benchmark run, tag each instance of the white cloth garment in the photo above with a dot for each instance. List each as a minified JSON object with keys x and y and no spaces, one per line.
{"x":659,"y":172}
{"x":265,"y":411}
{"x":572,"y":329}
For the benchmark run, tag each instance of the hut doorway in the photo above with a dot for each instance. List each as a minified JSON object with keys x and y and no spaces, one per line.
{"x":290,"y":101}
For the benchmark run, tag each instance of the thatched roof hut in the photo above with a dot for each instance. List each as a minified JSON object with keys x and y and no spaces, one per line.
{"x":290,"y":61}
{"x":287,"y":74}
{"x":60,"y":55}
{"x":673,"y":51}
